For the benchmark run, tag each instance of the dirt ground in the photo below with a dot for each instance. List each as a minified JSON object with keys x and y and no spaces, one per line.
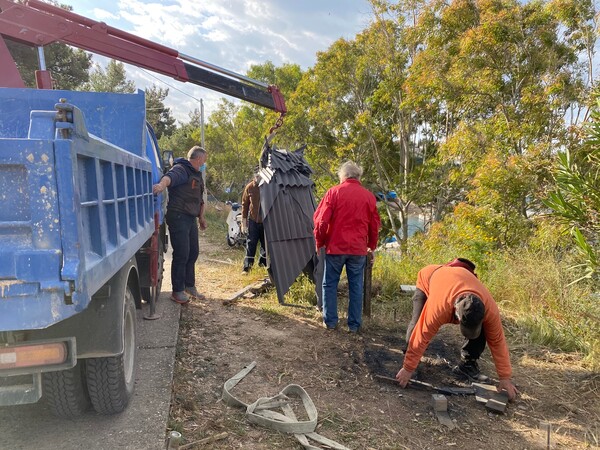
{"x":338,"y":370}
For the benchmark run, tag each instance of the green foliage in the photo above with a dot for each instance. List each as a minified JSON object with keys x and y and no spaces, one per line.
{"x":157,"y":113}
{"x":111,"y":79}
{"x":576,"y":199}
{"x":302,"y":292}
{"x":542,"y":301}
{"x":183,"y":137}
{"x":532,"y":285}
{"x":68,"y":66}
{"x":232,"y":158}
{"x":235,"y":134}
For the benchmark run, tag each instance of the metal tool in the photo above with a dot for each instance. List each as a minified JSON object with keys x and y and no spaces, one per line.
{"x":449,"y":390}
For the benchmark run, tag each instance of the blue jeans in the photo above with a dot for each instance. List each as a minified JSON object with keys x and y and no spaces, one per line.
{"x":355,"y":267}
{"x":183,"y":233}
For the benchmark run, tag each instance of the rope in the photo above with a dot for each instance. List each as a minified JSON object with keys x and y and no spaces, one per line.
{"x":261,"y":412}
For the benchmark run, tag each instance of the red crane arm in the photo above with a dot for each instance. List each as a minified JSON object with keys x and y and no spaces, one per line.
{"x":37,"y":23}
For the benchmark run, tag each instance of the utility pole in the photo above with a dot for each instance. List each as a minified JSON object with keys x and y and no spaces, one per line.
{"x":202,"y":123}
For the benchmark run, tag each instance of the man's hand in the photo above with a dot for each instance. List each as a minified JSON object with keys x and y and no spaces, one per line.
{"x":509,"y":388}
{"x":370,"y":256}
{"x":161,"y":185}
{"x":244,"y":226}
{"x":202,"y":223}
{"x":403,"y":377}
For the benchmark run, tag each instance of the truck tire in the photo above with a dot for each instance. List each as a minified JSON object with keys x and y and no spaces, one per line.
{"x":65,"y":392}
{"x":111,"y":380}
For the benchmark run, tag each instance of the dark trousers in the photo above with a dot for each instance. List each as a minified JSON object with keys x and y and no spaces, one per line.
{"x":471,"y":348}
{"x":183,"y":233}
{"x":256,"y":234}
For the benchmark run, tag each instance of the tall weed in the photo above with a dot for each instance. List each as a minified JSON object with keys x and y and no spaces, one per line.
{"x":531,"y":284}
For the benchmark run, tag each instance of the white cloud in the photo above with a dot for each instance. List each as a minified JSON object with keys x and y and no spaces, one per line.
{"x":234,"y":34}
{"x":102,"y":15}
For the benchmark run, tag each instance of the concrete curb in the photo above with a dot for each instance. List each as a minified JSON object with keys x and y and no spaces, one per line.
{"x":141,"y":426}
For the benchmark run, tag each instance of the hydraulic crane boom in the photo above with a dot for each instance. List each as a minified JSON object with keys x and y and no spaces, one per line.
{"x":37,"y":23}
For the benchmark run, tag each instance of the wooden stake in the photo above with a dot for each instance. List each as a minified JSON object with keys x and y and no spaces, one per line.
{"x":207,"y":440}
{"x":367,"y":288}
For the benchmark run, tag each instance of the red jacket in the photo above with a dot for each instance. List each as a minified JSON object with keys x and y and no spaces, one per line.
{"x":347,"y":221}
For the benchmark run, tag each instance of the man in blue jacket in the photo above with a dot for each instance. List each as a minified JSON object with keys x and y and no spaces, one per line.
{"x":186,"y":203}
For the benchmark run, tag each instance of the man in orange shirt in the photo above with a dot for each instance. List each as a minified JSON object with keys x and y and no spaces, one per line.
{"x":453,"y":294}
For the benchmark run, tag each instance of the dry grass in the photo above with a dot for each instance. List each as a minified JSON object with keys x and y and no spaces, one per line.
{"x":337,"y":370}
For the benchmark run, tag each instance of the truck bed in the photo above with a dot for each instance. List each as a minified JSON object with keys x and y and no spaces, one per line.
{"x":76,"y":199}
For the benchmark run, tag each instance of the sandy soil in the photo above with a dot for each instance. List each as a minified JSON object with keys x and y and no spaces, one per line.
{"x":338,"y":370}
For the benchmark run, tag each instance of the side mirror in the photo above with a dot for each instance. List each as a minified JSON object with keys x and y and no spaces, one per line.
{"x":167,"y":159}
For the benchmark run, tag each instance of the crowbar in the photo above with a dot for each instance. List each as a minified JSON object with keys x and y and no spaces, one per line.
{"x":442,"y":390}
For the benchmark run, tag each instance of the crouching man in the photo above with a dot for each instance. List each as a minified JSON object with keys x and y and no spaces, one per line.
{"x":452,"y":293}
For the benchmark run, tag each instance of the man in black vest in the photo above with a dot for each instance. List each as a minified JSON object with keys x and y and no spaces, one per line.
{"x":186,"y":203}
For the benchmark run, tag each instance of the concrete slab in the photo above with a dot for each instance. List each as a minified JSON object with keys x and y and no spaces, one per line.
{"x":141,"y":426}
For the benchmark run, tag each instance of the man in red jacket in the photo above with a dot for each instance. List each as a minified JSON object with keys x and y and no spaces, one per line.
{"x":453,"y":294}
{"x":347,"y":225}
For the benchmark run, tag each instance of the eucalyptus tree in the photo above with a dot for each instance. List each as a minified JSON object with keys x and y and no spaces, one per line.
{"x":353,"y":104}
{"x":236,"y":132}
{"x":503,"y":76}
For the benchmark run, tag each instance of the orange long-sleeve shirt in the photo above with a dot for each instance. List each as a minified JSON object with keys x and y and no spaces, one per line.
{"x":442,"y":285}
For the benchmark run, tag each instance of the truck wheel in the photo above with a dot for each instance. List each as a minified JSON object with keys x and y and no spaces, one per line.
{"x":111,"y":380}
{"x":65,"y":392}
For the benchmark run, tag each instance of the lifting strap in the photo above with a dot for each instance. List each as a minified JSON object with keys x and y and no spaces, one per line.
{"x":261,"y":412}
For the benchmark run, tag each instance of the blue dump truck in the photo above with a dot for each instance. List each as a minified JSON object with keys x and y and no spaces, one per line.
{"x":77,"y":218}
{"x":82,"y":236}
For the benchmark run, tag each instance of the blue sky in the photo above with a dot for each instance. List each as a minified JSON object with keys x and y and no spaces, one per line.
{"x":232,"y":34}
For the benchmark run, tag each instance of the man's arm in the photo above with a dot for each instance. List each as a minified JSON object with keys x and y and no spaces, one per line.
{"x":245,"y":203}
{"x":321,"y":218}
{"x":494,"y":335}
{"x":245,"y":208}
{"x":374,"y":226}
{"x":418,"y":300}
{"x":201,"y":219}
{"x":164,"y":183}
{"x":429,"y":323}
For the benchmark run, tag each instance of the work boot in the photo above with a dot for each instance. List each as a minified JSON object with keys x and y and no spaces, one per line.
{"x":194,"y":293}
{"x":180,"y":297}
{"x":469,"y":368}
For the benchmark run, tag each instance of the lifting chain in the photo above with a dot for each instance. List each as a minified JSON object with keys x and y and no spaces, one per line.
{"x":278,"y":123}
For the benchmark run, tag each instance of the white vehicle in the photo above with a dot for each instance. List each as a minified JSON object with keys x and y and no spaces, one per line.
{"x":235,"y":236}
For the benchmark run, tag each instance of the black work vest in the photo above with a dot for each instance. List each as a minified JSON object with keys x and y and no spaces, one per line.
{"x":187,"y":198}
